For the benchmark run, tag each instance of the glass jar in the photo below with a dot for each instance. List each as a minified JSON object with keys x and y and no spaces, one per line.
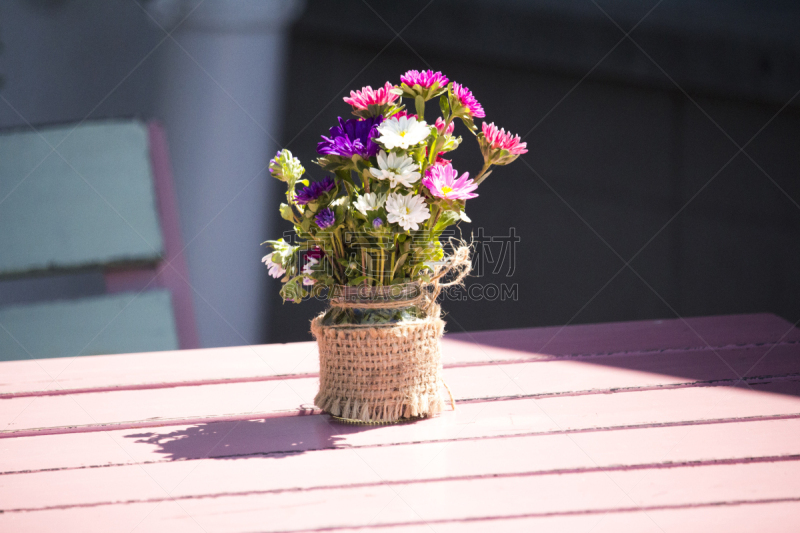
{"x":386,"y":304}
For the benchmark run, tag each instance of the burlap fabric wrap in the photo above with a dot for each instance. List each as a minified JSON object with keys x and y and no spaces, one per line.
{"x":384,"y":373}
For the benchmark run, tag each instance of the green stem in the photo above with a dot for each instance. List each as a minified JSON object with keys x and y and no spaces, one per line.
{"x":383,"y":263}
{"x":433,"y":151}
{"x":479,"y":178}
{"x":433,"y":220}
{"x":338,"y":270}
{"x":364,"y":266}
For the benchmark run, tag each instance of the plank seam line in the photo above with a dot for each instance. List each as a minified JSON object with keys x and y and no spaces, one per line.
{"x":151,"y":423}
{"x":654,"y":425}
{"x":151,"y":386}
{"x":752,"y":381}
{"x":578,"y":512}
{"x":251,"y":379}
{"x":449,"y":479}
{"x":59,"y":430}
{"x":622,"y":353}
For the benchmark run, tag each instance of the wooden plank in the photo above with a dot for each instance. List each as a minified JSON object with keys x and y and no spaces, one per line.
{"x":90,"y":204}
{"x":619,"y":372}
{"x":101,"y":324}
{"x":141,"y":370}
{"x":640,"y":336}
{"x":773,"y":517}
{"x":286,"y":396}
{"x":442,"y":501}
{"x":300,"y":360}
{"x":249,"y":363}
{"x":270,"y":436}
{"x":344,"y":466}
{"x":150,"y":408}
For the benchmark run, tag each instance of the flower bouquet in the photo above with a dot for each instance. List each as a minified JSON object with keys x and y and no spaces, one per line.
{"x":369,"y":236}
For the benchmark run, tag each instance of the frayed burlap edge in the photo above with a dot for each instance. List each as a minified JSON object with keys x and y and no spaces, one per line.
{"x":380,"y":373}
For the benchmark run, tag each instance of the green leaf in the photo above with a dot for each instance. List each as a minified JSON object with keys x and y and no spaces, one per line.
{"x":444,"y":105}
{"x":446,"y":219}
{"x":344,"y":175}
{"x":400,"y":261}
{"x":286,"y":212}
{"x":467,"y":120}
{"x":293,"y":290}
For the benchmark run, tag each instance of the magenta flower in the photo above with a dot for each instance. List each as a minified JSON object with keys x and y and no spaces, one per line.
{"x":404,"y":113}
{"x":315,"y":253}
{"x":424,"y":79}
{"x":502,"y":140}
{"x":440,"y":127}
{"x":367,"y":96}
{"x":467,"y":100}
{"x":442,"y":183}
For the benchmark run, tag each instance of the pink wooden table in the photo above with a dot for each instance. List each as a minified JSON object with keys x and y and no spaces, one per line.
{"x":643,"y":426}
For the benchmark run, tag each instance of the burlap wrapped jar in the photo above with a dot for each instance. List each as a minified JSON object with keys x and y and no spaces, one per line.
{"x":380,"y":351}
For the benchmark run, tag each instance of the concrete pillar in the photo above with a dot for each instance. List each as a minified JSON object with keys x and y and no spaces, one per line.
{"x":220,"y":99}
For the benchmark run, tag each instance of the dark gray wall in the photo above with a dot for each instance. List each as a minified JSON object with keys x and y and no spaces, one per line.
{"x":633,"y":151}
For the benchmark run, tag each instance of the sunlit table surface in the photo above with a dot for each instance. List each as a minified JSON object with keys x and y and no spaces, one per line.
{"x":674,"y":425}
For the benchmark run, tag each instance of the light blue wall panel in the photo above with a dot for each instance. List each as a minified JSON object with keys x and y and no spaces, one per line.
{"x":119,"y":323}
{"x":90,"y":202}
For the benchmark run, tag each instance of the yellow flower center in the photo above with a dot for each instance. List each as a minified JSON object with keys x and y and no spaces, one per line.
{"x":408,"y":210}
{"x":446,"y":190}
{"x":403,"y":134}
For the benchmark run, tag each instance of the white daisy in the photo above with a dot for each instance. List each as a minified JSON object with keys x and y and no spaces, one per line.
{"x":275,"y":270}
{"x":396,"y":168}
{"x":368,"y":202}
{"x":402,"y":132}
{"x":408,"y":211}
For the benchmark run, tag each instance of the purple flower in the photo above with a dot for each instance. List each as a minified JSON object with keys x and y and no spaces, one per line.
{"x":352,"y":137}
{"x":377,"y":223}
{"x":314,"y":191}
{"x":325,"y":218}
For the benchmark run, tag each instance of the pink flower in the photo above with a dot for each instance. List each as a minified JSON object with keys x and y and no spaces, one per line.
{"x":500,"y":139}
{"x":441,"y":181}
{"x":405,"y":113}
{"x":424,"y":79}
{"x":367,"y":96}
{"x":466,"y":98}
{"x":440,"y":127}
